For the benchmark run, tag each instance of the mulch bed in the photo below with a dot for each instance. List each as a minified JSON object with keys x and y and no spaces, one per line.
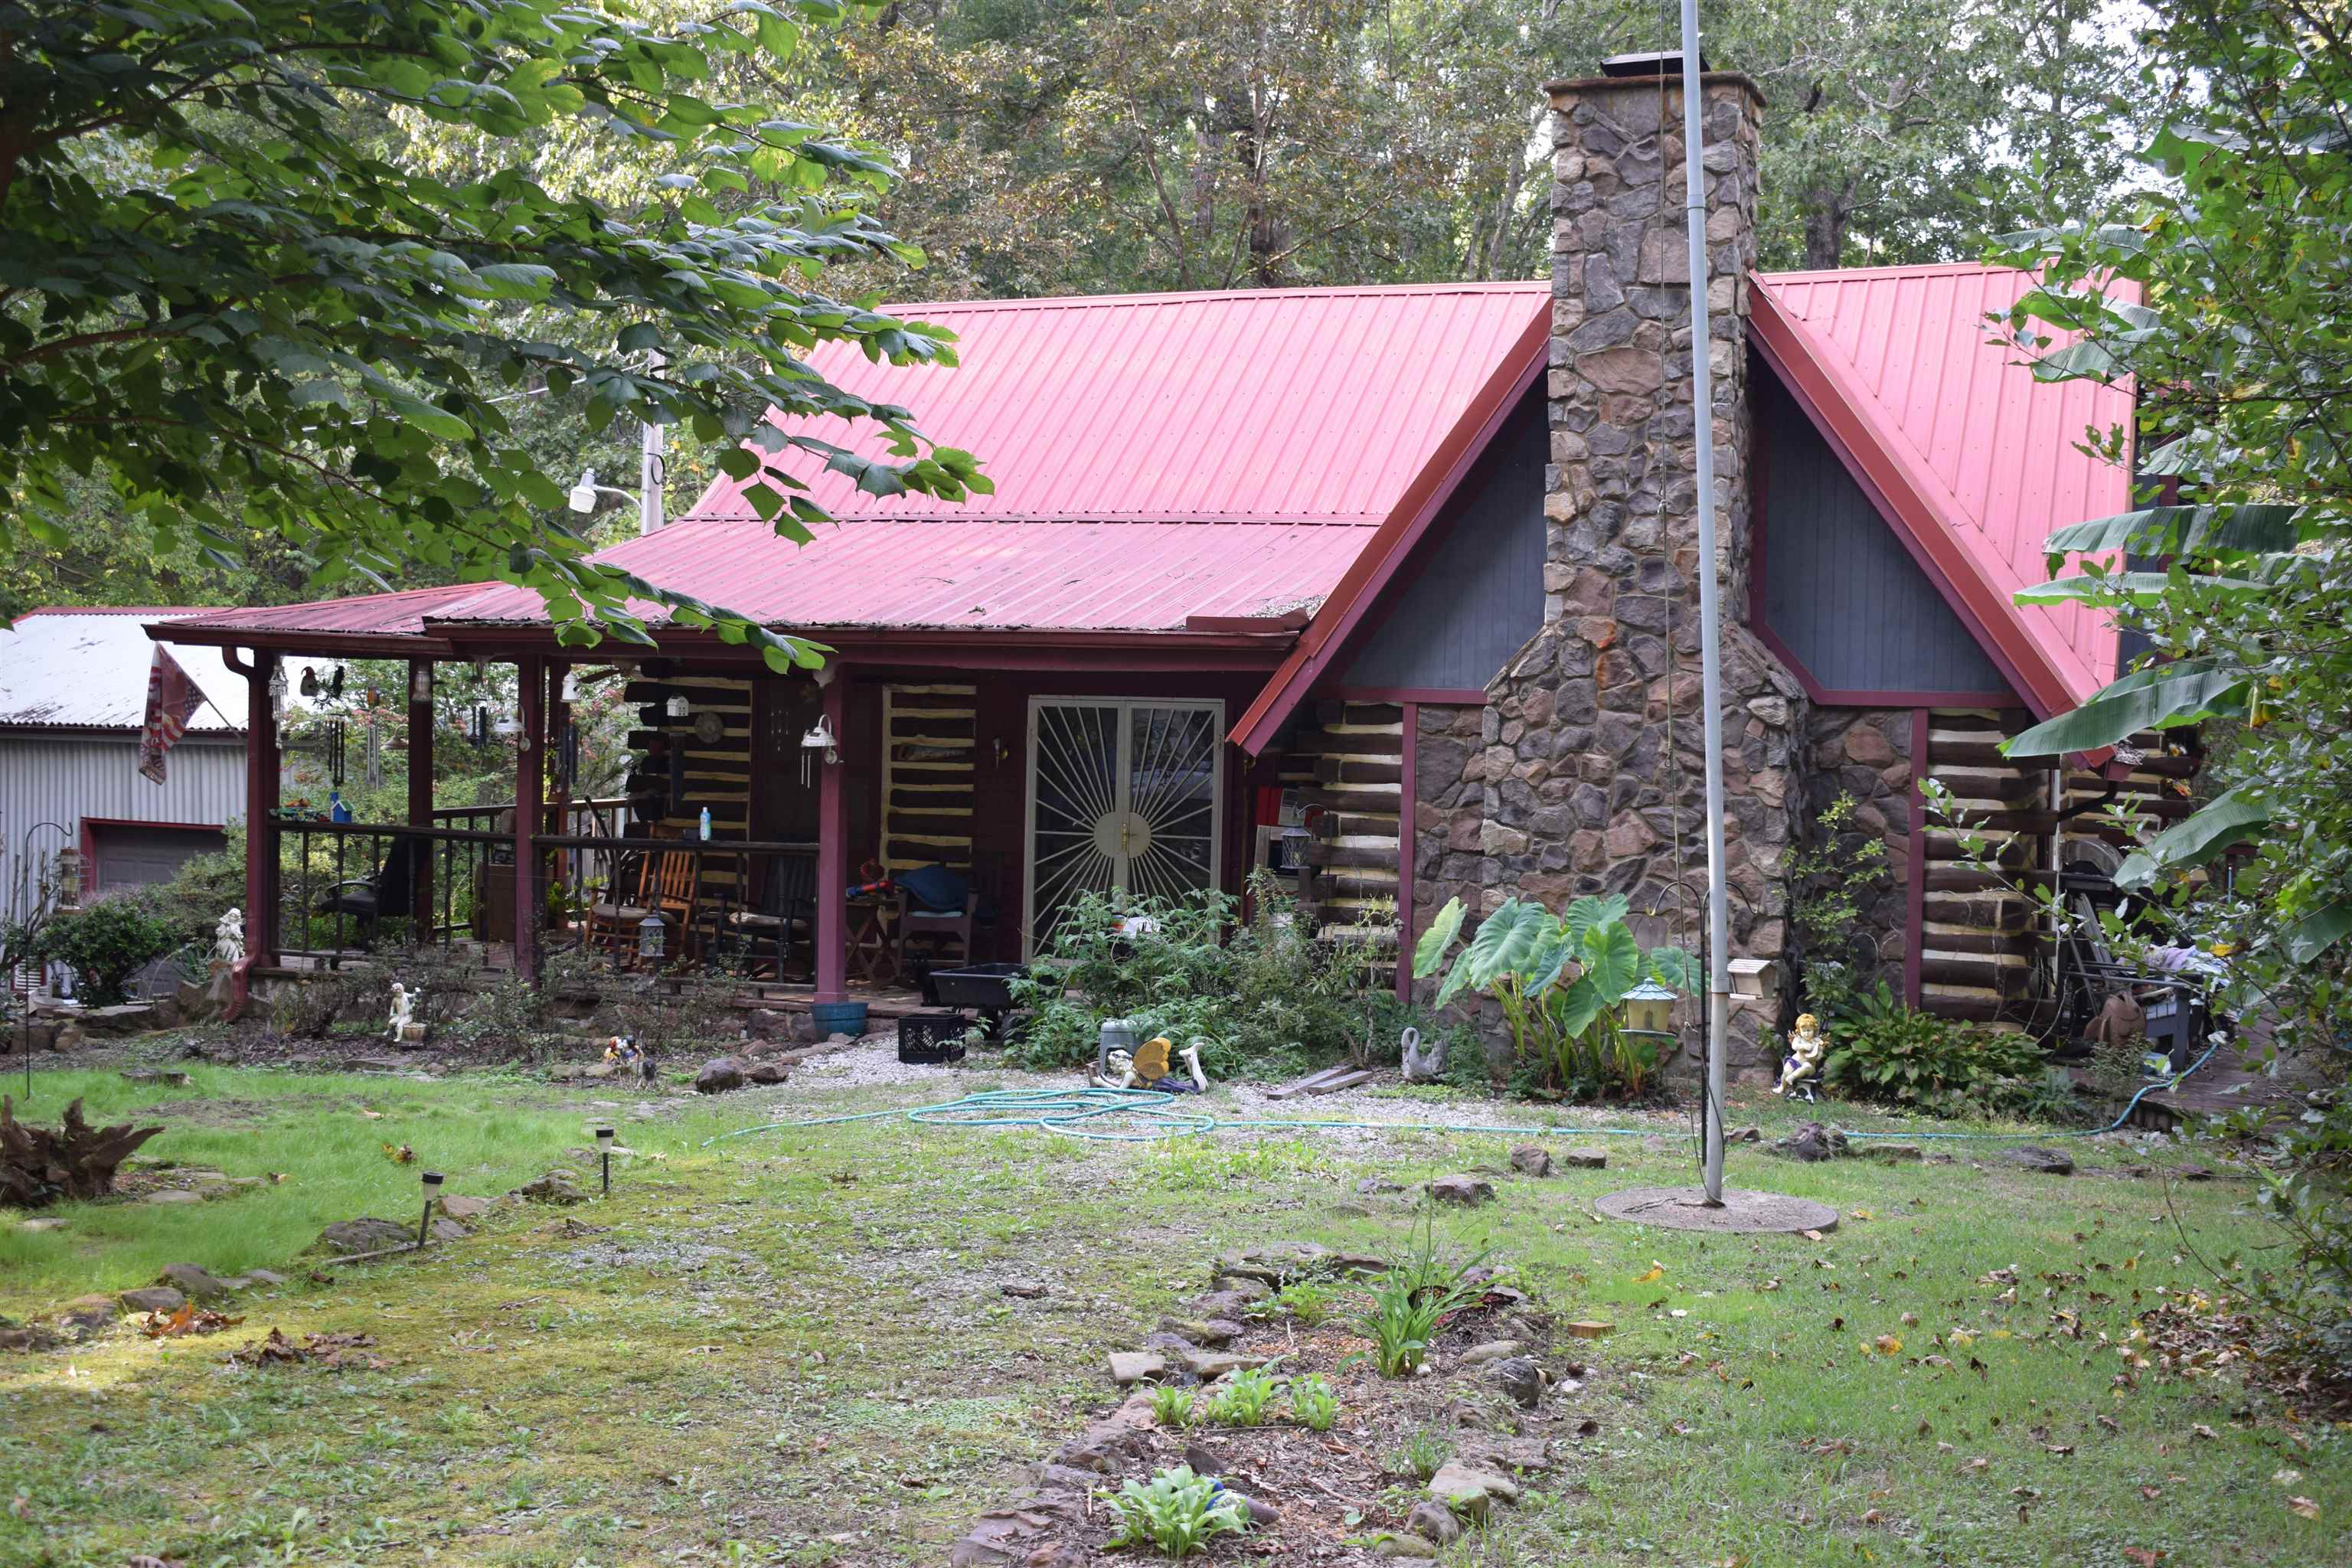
{"x":1342,"y":1497}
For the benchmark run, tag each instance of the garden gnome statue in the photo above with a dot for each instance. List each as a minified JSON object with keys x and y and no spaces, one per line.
{"x":1803,"y":1063}
{"x":1421,"y":1065}
{"x":228,"y":939}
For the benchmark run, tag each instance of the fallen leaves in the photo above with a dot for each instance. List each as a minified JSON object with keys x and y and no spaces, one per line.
{"x":336,"y":1352}
{"x":1887,"y":1345}
{"x":190,"y":1319}
{"x":2147,"y":1557}
{"x":2302,"y":1507}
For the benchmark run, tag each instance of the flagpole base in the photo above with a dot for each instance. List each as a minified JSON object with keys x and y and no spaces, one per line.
{"x":1741,"y":1212}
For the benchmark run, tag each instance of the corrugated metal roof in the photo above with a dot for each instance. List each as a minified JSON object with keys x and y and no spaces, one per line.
{"x":1963,"y":442}
{"x":363,"y":615}
{"x":65,"y":667}
{"x":969,"y":576}
{"x":1261,"y":405}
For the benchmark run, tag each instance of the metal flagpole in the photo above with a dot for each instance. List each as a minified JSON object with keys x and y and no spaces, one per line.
{"x":650,"y":470}
{"x":1710,"y":653}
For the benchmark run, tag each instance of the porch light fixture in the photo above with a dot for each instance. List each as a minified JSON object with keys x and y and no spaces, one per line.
{"x":583,"y":496}
{"x":431,"y":1180}
{"x":277,"y":691}
{"x":1650,"y":1009}
{"x":604,"y":1148}
{"x":651,"y":937}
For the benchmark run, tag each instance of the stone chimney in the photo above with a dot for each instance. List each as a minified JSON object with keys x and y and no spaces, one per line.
{"x":1593,"y":753}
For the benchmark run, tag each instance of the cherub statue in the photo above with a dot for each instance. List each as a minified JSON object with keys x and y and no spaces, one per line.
{"x":1803,"y":1063}
{"x":403,"y":1026}
{"x":624,"y":1052}
{"x":228,"y":939}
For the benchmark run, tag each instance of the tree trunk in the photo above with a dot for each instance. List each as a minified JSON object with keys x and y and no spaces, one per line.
{"x":1825,"y":217}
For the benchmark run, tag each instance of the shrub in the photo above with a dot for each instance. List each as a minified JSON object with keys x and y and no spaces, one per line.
{"x":1176,"y":1512}
{"x":1267,"y":997}
{"x":1313,"y":1404}
{"x":1560,"y":980}
{"x":105,"y":945}
{"x":308,"y":1009}
{"x":1412,"y":1301}
{"x":1834,"y":877}
{"x":1171,"y":1407}
{"x":1884,"y":1050}
{"x":1243,"y":1399}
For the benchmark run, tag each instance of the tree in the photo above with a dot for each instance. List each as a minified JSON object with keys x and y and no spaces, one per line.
{"x":230,"y":298}
{"x":2220,"y":288}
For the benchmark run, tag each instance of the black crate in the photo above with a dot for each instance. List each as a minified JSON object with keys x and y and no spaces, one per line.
{"x":931,"y":1039}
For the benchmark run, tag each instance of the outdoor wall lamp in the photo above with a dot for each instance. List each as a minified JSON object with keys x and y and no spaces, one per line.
{"x":420,"y":682}
{"x":431,"y":1180}
{"x":583,"y":496}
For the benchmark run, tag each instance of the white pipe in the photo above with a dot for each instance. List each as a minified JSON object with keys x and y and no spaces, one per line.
{"x":650,"y":463}
{"x":1710,"y":652}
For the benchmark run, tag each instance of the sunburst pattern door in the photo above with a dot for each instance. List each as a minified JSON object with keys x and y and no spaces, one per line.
{"x":1123,"y":794}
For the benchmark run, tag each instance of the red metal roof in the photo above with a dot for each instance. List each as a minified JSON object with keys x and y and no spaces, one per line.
{"x":1261,"y":405}
{"x":398,"y":615}
{"x":974,"y":577}
{"x":1974,"y":460}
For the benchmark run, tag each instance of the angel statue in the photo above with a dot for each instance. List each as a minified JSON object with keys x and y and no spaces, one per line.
{"x":228,"y":939}
{"x":1803,"y":1066}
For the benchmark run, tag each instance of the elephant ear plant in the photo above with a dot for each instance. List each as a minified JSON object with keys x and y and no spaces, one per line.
{"x":1559,"y":981}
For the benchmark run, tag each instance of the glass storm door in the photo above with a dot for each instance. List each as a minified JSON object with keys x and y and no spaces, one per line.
{"x":1124,"y":794}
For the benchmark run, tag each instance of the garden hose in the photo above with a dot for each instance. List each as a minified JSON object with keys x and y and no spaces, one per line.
{"x":1148,"y":1116}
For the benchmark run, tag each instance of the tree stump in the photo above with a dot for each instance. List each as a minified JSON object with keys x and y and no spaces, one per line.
{"x":39,"y":1165}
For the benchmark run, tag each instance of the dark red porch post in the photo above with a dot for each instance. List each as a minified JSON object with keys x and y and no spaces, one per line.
{"x":833,"y":853}
{"x":420,"y":793}
{"x":1408,"y":845}
{"x":530,"y":793}
{"x":260,"y":811}
{"x":1914,"y":885}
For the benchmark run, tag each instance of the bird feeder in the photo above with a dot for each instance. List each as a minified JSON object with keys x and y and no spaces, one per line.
{"x":1649,"y":1009}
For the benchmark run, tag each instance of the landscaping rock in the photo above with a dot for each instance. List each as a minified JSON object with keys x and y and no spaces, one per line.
{"x":1418,"y":1547}
{"x":2035,"y":1157}
{"x":1168,"y":1342}
{"x":37,"y":1225}
{"x":1462,"y":1192}
{"x":1746,"y":1135}
{"x":89,"y":1314}
{"x":1584,"y":1159}
{"x":555,"y":1187}
{"x":1259,"y":1512}
{"x":1229,"y":1304}
{"x":1211,"y":1365}
{"x":1129,"y":1367}
{"x":1469,"y":1488}
{"x":265,"y":1277}
{"x":719,"y":1075}
{"x":1811,"y":1142}
{"x":449,"y":1230}
{"x":1519,"y":1377}
{"x":1203,"y":1461}
{"x":367,"y":1234}
{"x":1115,"y":1438}
{"x":462,"y":1206}
{"x":171,"y":1195}
{"x":1531,"y":1159}
{"x":1370,"y":1185}
{"x":1493,"y":1349}
{"x":195,"y":1282}
{"x":151,"y":1298}
{"x":1434,"y":1521}
{"x":2186,"y":1172}
{"x":1022,"y":1290}
{"x":764,"y":1073}
{"x":1211,"y":1332}
{"x":1898,"y":1153}
{"x":1278,"y":1263}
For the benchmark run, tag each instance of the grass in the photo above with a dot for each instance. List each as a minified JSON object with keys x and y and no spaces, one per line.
{"x":792,"y":1347}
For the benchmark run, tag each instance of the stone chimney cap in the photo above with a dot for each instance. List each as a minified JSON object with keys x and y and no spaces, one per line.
{"x":1589,"y":86}
{"x":1658,"y":62}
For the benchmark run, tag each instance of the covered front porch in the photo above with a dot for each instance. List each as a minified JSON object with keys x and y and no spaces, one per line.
{"x":921,"y":802}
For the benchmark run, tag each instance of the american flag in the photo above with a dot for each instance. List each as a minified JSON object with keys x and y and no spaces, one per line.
{"x":171,"y":699}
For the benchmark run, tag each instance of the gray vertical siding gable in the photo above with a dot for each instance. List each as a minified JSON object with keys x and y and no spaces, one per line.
{"x":1472,"y":593}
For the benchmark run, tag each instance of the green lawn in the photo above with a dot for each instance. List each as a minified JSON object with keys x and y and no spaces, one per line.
{"x":794,"y":1346}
